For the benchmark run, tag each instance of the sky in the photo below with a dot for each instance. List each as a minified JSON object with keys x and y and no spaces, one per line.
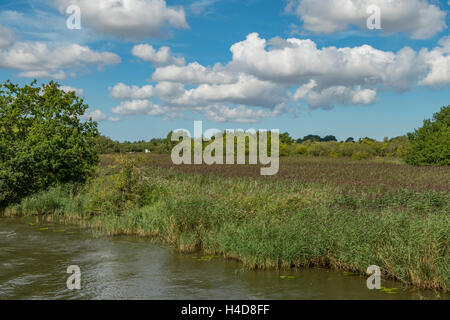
{"x":146,"y":67}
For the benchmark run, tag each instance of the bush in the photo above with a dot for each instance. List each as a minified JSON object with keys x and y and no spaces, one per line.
{"x":120,"y":192}
{"x":430,"y":144}
{"x":360,"y":155}
{"x":301,"y":150}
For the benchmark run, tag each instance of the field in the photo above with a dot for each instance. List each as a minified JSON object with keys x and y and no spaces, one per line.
{"x":336,"y":213}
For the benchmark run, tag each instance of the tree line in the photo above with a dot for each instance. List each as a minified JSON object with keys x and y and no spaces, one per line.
{"x":312,"y":145}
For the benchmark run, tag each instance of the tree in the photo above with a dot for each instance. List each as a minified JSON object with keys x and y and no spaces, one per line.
{"x":351,"y":139}
{"x":312,"y":138}
{"x":285,"y":138}
{"x":329,"y":138}
{"x":105,"y":145}
{"x":430,"y":144}
{"x":43,"y":139}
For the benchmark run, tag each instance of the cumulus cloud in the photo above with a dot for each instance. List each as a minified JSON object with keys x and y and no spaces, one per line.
{"x":36,"y":59}
{"x":133,"y":19}
{"x":267,"y":78}
{"x":78,"y":91}
{"x":163,"y":89}
{"x":340,"y":95}
{"x":240,"y":114}
{"x":98,"y":115}
{"x":7,"y":37}
{"x":247,"y":90}
{"x":57,"y":75}
{"x":139,"y":107}
{"x":296,"y":62}
{"x":121,"y":91}
{"x":419,"y":18}
{"x":194,"y":73}
{"x":438,"y":60}
{"x":161,"y":57}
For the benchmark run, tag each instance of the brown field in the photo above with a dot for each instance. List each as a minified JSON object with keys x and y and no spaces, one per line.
{"x":381,"y":175}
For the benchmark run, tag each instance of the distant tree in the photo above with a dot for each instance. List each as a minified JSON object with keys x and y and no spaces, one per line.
{"x":430,"y":144}
{"x":285,"y":138}
{"x":329,"y":138}
{"x":312,"y":138}
{"x":366,"y":140}
{"x":43,"y":139}
{"x":351,"y":139}
{"x":105,"y":145}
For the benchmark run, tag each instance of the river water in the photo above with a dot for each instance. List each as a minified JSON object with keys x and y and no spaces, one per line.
{"x":34,"y":259}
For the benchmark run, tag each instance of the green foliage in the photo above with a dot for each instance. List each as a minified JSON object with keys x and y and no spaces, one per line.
{"x":360,"y":155}
{"x":285,"y":138}
{"x":106,"y":145}
{"x":430,"y":144}
{"x":127,"y":189}
{"x":301,"y":150}
{"x":42,"y":139}
{"x":350,"y":139}
{"x":274,"y":223}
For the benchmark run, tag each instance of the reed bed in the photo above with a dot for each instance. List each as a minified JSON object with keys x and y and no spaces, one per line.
{"x":335,"y":213}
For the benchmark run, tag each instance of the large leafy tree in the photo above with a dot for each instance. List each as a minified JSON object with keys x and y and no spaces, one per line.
{"x":43,"y":139}
{"x":430,"y":144}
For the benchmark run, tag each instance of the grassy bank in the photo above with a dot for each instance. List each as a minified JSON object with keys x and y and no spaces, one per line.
{"x":320,"y":212}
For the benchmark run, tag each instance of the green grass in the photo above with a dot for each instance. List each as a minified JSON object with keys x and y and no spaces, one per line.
{"x":265,"y":223}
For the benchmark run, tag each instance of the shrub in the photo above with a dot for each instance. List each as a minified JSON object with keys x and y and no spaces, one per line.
{"x":127,"y":189}
{"x":301,"y":150}
{"x":430,"y":144}
{"x":360,"y":155}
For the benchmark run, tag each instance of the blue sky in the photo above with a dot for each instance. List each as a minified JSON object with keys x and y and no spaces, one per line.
{"x":146,"y":67}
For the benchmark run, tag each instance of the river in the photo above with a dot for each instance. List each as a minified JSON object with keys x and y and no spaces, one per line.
{"x":34,"y":258}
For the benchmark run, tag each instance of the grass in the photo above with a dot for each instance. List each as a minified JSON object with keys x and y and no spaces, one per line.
{"x":334,"y":213}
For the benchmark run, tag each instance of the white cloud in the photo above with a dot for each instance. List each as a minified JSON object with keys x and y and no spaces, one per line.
{"x":268,"y":78}
{"x":167,"y":90}
{"x":438,"y":60}
{"x":7,"y":37}
{"x":296,"y":62}
{"x":193,"y":73}
{"x":161,"y":57}
{"x":240,"y":114}
{"x":340,"y":95}
{"x":98,"y":115}
{"x":420,"y":18}
{"x":133,"y":19}
{"x":303,"y":90}
{"x":139,"y":107}
{"x":201,"y":6}
{"x":247,"y":90}
{"x":36,"y":59}
{"x":163,"y":89}
{"x":121,"y":91}
{"x":57,"y":75}
{"x":78,"y":91}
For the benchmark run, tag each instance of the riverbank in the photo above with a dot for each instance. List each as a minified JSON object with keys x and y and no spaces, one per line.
{"x":349,"y":220}
{"x":35,"y":256}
